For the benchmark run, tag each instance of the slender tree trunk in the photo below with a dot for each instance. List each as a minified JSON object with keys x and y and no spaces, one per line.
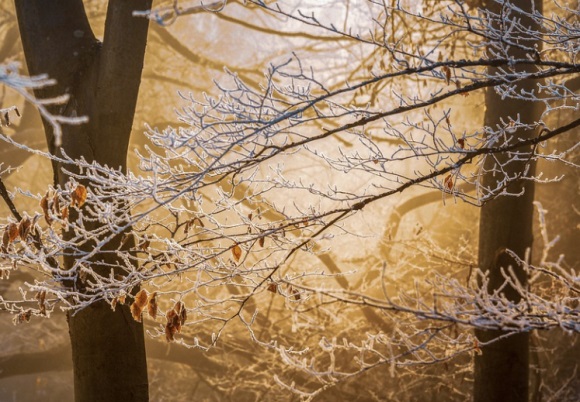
{"x":102,"y":80}
{"x":501,"y":372}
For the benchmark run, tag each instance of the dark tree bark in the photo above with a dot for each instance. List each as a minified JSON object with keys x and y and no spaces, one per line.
{"x":102,"y":80}
{"x":501,"y":372}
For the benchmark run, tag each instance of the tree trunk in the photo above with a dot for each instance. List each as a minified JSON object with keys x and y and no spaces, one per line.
{"x":501,"y":371}
{"x":102,"y":80}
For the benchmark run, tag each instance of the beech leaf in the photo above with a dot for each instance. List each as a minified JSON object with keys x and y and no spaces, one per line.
{"x":237,"y":252}
{"x":448,"y":182}
{"x":152,"y":305}
{"x":45,"y":210}
{"x":79,"y":196}
{"x":24,"y":227}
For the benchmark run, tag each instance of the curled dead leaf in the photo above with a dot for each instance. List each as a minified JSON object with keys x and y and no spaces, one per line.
{"x":152,"y":305}
{"x":141,"y":298}
{"x":136,"y":312}
{"x":447,"y":71}
{"x":55,"y":204}
{"x":448,"y":182}
{"x":5,"y":240}
{"x":173,"y":326}
{"x":24,"y":227}
{"x":45,"y":209}
{"x":170,"y":332}
{"x":41,"y":297}
{"x":12,"y":231}
{"x":139,"y":304}
{"x":10,"y":234}
{"x":181,"y":312}
{"x":78,"y":196}
{"x":272,"y":287}
{"x":295,"y":293}
{"x":237,"y":252}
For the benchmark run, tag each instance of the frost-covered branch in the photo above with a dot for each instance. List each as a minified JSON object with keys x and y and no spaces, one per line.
{"x":11,"y":78}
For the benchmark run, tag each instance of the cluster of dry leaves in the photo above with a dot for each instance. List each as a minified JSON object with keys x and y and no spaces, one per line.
{"x":176,"y":317}
{"x":51,"y":208}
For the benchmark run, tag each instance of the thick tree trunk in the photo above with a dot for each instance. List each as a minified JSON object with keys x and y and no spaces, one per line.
{"x":102,"y":80}
{"x":501,"y":372}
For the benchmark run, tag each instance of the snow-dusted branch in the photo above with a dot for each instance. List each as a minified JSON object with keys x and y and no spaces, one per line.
{"x":11,"y":78}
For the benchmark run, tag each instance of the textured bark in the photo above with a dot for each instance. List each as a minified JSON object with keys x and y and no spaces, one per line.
{"x":102,"y":80}
{"x":501,"y":372}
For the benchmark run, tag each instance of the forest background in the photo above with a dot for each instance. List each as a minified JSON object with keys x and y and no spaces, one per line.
{"x":395,"y":254}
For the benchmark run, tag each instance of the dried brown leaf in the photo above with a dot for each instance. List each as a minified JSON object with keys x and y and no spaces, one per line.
{"x":152,"y":305}
{"x":272,"y":287}
{"x":10,"y":234}
{"x":448,"y":182}
{"x":45,"y":210}
{"x":139,"y":304}
{"x":78,"y":196}
{"x":447,"y":72}
{"x":181,"y":312}
{"x":141,"y":299}
{"x":5,"y":241}
{"x":41,"y":296}
{"x":55,"y":204}
{"x":24,"y":227}
{"x":114,"y":303}
{"x":170,"y":332}
{"x":237,"y":252}
{"x":136,"y":312}
{"x":172,"y":326}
